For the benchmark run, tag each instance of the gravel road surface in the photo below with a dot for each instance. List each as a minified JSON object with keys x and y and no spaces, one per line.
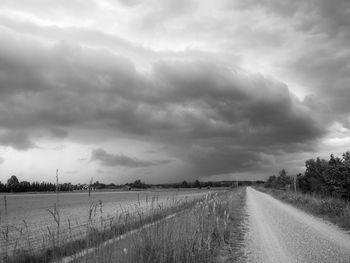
{"x":280,"y":233}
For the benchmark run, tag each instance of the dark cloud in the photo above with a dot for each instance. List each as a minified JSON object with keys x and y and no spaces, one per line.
{"x":16,"y":140}
{"x":324,"y":67}
{"x":207,"y":111}
{"x":320,"y":59}
{"x":324,"y":62}
{"x":59,"y":133}
{"x":108,"y":159}
{"x":192,"y":103}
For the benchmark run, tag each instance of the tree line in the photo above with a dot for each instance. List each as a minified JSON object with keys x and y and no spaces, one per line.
{"x":324,"y":177}
{"x":14,"y":185}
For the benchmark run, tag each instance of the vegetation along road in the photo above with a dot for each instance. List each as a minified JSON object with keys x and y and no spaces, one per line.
{"x":278,"y":232}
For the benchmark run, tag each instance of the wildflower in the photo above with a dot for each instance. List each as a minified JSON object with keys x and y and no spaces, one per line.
{"x":125,"y":250}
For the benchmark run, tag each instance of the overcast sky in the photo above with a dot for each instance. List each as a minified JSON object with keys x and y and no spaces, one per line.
{"x":169,"y":90}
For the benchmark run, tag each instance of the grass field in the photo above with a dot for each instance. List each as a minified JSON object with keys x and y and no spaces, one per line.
{"x":203,"y":229}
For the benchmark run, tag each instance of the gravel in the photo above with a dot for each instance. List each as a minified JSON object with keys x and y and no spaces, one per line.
{"x":278,"y":232}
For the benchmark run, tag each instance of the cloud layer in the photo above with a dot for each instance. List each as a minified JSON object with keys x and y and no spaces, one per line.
{"x":108,"y":159}
{"x":223,"y":101}
{"x":207,"y":111}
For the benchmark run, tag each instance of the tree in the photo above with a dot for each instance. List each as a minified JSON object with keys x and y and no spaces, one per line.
{"x":334,"y":160}
{"x":283,"y":179}
{"x":271,"y":181}
{"x":138,"y":184}
{"x":282,"y":173}
{"x":328,"y":178}
{"x":315,"y":174}
{"x":12,"y":183}
{"x":185,"y":184}
{"x":346,"y":157}
{"x":280,"y":182}
{"x":24,"y":186}
{"x":197,"y":184}
{"x":2,"y":187}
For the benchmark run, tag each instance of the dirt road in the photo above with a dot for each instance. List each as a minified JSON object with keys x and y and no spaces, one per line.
{"x":281,"y":233}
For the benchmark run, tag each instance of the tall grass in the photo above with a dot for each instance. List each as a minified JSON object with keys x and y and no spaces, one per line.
{"x":329,"y":208}
{"x":58,"y":243}
{"x":210,"y":231}
{"x":5,"y":230}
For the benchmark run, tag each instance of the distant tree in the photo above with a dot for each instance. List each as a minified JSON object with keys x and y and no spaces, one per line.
{"x":346,"y":157}
{"x":271,"y":181}
{"x":138,"y":184}
{"x":185,"y":184}
{"x":282,"y":173}
{"x":334,"y":160}
{"x":280,"y":181}
{"x":197,"y":184}
{"x":12,"y":183}
{"x":259,"y":182}
{"x":302,"y":183}
{"x":24,"y":186}
{"x":2,"y":187}
{"x":315,"y":174}
{"x":283,"y":179}
{"x":327,"y":178}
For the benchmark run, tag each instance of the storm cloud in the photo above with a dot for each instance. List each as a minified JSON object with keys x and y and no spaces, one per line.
{"x":236,"y":100}
{"x":17,"y":140}
{"x":108,"y":159}
{"x":215,"y":112}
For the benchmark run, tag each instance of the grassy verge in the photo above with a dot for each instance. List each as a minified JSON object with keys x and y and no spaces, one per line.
{"x":95,"y":234}
{"x":211,"y":231}
{"x":331,"y":209}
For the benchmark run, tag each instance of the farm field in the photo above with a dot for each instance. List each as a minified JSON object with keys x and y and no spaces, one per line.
{"x":27,"y":221}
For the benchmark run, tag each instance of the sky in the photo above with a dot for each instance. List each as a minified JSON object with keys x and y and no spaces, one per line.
{"x":171,"y":90}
